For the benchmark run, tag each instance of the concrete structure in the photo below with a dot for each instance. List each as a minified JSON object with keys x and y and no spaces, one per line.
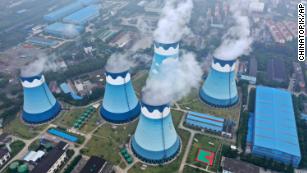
{"x":274,"y":133}
{"x":34,"y":156}
{"x":120,"y":104}
{"x":39,"y":104}
{"x":220,"y":89}
{"x":97,"y":165}
{"x":205,"y":121}
{"x":4,"y":156}
{"x":155,"y":140}
{"x":53,"y":160}
{"x":64,"y":30}
{"x":84,"y":15}
{"x":163,"y":52}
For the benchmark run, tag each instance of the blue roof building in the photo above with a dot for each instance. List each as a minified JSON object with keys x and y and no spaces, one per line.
{"x":205,"y":121}
{"x":64,"y":30}
{"x":62,"y":12}
{"x":155,"y":140}
{"x":274,"y":131}
{"x":44,"y":42}
{"x":39,"y":104}
{"x":220,"y":89}
{"x":84,"y":15}
{"x":162,"y":52}
{"x":88,"y":2}
{"x":120,"y":104}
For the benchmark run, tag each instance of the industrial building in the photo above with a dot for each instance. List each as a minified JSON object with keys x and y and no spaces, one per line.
{"x":155,"y":140}
{"x":236,"y":166}
{"x":162,"y":52}
{"x":84,"y":15}
{"x":219,"y":88}
{"x":4,"y":156}
{"x":88,"y":2}
{"x":274,"y":133}
{"x":64,"y":30}
{"x":39,"y":104}
{"x":205,"y":121}
{"x":276,"y":70}
{"x":53,"y":160}
{"x":97,"y":165}
{"x":42,"y":42}
{"x":120,"y":104}
{"x":57,"y":15}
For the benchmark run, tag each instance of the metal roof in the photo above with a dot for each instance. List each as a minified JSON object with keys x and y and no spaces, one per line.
{"x":84,"y":15}
{"x":64,"y":11}
{"x":275,"y":125}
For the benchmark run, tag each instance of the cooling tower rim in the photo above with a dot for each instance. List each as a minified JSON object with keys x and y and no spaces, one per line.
{"x":113,"y":71}
{"x":224,"y":61}
{"x":152,"y":107}
{"x":114,"y":75}
{"x":31,"y":78}
{"x":166,"y":45}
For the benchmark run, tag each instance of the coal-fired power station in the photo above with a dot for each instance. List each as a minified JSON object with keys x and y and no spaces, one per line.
{"x":219,"y":89}
{"x":155,"y":140}
{"x":120,"y":104}
{"x":162,"y":52}
{"x":39,"y":104}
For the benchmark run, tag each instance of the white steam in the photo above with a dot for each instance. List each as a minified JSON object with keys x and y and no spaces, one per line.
{"x":173,"y":22}
{"x":237,"y":41}
{"x":119,"y":63}
{"x":175,"y":80}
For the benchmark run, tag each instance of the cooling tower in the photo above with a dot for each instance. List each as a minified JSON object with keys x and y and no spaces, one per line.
{"x":39,"y":104}
{"x":155,"y":140}
{"x":220,"y":88}
{"x":162,"y":52}
{"x":120,"y":104}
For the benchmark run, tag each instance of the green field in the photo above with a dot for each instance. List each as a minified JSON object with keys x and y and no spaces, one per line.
{"x":195,"y":104}
{"x":188,"y":169}
{"x":203,"y":143}
{"x":139,"y":80}
{"x":22,"y":130}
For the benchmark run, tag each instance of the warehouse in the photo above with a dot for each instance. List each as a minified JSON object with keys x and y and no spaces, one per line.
{"x":43,"y":42}
{"x":84,"y":15}
{"x":64,"y":30}
{"x":274,"y":129}
{"x":62,"y":12}
{"x":88,"y":2}
{"x":205,"y":121}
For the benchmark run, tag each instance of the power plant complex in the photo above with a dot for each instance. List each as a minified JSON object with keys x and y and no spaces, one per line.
{"x":39,"y":104}
{"x":155,"y":140}
{"x":120,"y":104}
{"x":220,"y":89}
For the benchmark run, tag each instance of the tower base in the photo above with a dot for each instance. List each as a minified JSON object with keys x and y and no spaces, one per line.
{"x":219,"y":103}
{"x":42,"y":117}
{"x":120,"y":118}
{"x":155,"y":157}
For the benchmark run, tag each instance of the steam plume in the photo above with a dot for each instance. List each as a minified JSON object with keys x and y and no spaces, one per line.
{"x":237,"y":41}
{"x":175,"y":81}
{"x":173,"y":22}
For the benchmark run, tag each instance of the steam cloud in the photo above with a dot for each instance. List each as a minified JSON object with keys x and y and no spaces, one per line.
{"x":173,"y":22}
{"x":237,"y":41}
{"x":175,"y":81}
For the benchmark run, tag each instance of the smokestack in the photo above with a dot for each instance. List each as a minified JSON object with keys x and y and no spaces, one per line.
{"x":39,"y":104}
{"x":155,"y":140}
{"x":120,"y":104}
{"x":219,"y":89}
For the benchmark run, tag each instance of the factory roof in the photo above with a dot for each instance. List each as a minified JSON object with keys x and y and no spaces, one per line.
{"x":34,"y":156}
{"x":275,"y":125}
{"x":63,"y":29}
{"x":204,"y":118}
{"x":238,"y":166}
{"x":42,"y":41}
{"x":64,"y":11}
{"x":93,"y":165}
{"x":88,"y":2}
{"x":84,"y":15}
{"x":253,"y":67}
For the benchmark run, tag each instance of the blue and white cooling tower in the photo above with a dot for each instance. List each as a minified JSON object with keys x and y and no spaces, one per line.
{"x":155,"y":140}
{"x":39,"y":104}
{"x":163,"y":51}
{"x":219,"y":89}
{"x":120,"y":104}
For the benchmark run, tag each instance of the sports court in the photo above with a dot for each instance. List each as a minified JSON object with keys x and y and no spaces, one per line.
{"x":205,"y":156}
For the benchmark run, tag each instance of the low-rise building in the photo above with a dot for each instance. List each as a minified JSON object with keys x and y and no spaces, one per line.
{"x":4,"y":156}
{"x":53,"y":160}
{"x":236,"y":166}
{"x":97,"y":165}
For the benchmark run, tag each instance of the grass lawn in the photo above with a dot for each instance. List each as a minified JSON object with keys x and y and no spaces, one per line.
{"x":195,"y":104}
{"x":91,"y":123}
{"x":203,"y":142}
{"x":106,"y":141}
{"x":188,"y":169}
{"x":68,"y":118}
{"x":22,"y":130}
{"x":16,"y":147}
{"x":139,"y":80}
